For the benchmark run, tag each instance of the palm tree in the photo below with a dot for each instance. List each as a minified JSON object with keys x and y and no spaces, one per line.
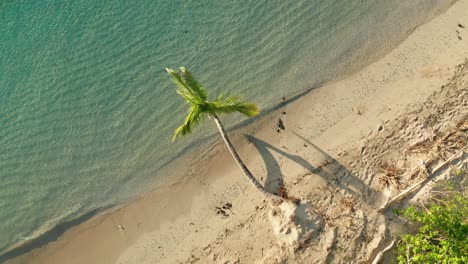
{"x":200,"y":107}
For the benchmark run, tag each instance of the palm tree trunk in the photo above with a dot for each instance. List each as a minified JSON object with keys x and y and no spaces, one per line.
{"x":241,"y":164}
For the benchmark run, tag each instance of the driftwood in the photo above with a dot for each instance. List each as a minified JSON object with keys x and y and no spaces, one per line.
{"x":415,"y":186}
{"x":379,"y":256}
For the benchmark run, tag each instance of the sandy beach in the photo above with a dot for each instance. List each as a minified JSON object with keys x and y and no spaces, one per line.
{"x":337,"y":139}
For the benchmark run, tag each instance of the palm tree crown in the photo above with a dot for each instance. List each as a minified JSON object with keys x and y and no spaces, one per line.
{"x":200,"y":107}
{"x":195,"y":95}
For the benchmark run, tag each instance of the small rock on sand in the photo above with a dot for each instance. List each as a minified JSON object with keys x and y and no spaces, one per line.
{"x":380,"y":128}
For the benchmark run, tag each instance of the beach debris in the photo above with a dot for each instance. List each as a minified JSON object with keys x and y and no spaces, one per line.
{"x":284,"y":112}
{"x":415,"y":186}
{"x":379,"y":256}
{"x":223,"y":209}
{"x":390,"y":175}
{"x":461,"y":26}
{"x":281,"y":124}
{"x":227,"y":206}
{"x":282,"y":192}
{"x":220,"y":211}
{"x":120,"y":227}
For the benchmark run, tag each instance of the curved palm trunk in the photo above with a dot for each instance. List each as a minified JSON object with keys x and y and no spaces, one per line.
{"x":241,"y":164}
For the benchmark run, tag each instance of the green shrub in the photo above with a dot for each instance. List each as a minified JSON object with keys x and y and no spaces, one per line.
{"x":442,"y":236}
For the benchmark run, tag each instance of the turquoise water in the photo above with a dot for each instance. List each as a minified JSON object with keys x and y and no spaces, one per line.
{"x":87,"y":112}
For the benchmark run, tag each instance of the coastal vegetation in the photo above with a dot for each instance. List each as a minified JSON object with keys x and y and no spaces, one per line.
{"x":442,"y":233}
{"x":201,"y":107}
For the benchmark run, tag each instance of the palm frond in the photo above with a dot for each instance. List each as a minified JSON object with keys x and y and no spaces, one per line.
{"x":194,"y":116}
{"x":183,"y":89}
{"x":193,"y":92}
{"x":177,"y":79}
{"x":233,"y":104}
{"x":189,"y":97}
{"x":192,"y":83}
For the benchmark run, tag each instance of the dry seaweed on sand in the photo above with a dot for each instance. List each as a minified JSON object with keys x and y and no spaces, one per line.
{"x":390,"y":175}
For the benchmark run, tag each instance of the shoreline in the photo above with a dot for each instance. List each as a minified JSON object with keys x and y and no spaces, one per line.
{"x":138,"y":216}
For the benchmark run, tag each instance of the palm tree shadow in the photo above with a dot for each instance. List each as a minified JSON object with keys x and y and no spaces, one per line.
{"x":274,"y":176}
{"x":330,"y":169}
